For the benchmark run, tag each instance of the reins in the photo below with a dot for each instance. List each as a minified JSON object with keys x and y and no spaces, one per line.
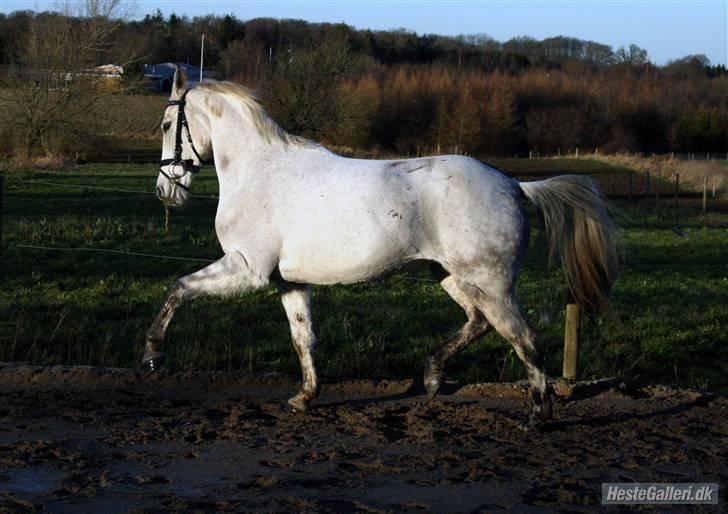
{"x":188,"y":165}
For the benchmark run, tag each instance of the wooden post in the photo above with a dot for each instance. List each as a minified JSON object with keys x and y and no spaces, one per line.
{"x":530,"y":154}
{"x":705,"y":193}
{"x":571,"y":340}
{"x":558,"y":151}
{"x":647,"y":183}
{"x":577,"y":153}
{"x":677,"y":192}
{"x":2,"y":194}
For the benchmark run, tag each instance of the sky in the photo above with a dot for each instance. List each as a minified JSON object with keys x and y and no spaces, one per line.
{"x":666,"y":29}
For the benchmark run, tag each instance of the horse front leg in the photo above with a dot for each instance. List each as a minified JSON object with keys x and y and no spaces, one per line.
{"x":296,"y":299}
{"x":230,"y":274}
{"x":153,"y":356}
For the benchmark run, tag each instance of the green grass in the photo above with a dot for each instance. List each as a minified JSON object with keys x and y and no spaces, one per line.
{"x":86,"y":308}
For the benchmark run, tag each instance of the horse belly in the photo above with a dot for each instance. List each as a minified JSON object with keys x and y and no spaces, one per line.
{"x":360,"y":252}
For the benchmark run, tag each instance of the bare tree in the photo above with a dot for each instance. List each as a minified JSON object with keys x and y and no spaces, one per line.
{"x":52,"y":86}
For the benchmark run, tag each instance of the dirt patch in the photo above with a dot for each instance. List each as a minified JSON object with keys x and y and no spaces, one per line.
{"x":114,"y":440}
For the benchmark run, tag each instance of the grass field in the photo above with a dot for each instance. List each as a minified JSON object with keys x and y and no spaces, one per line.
{"x":94,"y":308}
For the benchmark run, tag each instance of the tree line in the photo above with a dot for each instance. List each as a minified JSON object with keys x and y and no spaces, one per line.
{"x":398,"y":91}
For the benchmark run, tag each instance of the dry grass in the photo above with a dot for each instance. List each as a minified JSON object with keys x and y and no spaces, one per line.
{"x":691,"y":173}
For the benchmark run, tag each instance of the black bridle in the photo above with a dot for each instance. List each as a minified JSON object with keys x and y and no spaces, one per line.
{"x":188,"y":165}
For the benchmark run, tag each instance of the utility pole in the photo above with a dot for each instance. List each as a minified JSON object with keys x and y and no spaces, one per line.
{"x":202,"y":56}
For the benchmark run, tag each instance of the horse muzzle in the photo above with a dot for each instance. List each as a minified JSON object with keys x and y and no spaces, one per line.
{"x":171,"y":191}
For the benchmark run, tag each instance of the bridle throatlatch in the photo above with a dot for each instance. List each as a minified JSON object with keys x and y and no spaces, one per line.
{"x":188,"y":165}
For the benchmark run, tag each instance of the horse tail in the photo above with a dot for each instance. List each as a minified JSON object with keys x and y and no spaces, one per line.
{"x":580,"y":234}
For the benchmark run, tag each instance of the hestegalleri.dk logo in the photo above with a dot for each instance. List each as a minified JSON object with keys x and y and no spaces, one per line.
{"x":634,"y":494}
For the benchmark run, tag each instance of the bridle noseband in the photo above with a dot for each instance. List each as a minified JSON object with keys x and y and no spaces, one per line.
{"x":188,"y":165}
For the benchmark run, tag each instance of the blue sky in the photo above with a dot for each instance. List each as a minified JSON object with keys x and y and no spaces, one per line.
{"x":667,"y":29}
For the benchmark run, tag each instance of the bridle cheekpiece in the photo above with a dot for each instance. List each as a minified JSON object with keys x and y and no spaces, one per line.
{"x":188,"y":165}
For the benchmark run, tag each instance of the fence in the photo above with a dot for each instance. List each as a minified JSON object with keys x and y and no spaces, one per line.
{"x":646,"y":188}
{"x":642,"y":188}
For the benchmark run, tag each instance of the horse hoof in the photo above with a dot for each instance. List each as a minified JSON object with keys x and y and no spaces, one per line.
{"x":532,"y":424}
{"x":432,"y":387}
{"x":297,"y":404}
{"x":155,"y":363}
{"x":432,"y":381}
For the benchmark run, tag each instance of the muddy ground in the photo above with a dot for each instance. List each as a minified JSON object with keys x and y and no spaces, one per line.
{"x":114,"y":440}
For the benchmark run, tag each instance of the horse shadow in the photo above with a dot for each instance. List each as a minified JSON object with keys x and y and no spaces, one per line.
{"x":449,"y":392}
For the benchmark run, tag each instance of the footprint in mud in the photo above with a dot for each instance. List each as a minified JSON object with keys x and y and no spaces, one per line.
{"x":260,"y":483}
{"x":329,"y":483}
{"x":277,"y":463}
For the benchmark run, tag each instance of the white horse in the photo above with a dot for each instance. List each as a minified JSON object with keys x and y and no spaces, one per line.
{"x":293,"y":213}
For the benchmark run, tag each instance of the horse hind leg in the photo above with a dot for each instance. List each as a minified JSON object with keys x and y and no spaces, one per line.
{"x":296,"y":301}
{"x":505,"y":314}
{"x":473,"y":328}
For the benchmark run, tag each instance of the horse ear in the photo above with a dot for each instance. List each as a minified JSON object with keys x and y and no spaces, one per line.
{"x":179,"y":82}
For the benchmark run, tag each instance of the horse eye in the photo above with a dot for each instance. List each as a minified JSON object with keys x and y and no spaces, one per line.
{"x":166,"y":125}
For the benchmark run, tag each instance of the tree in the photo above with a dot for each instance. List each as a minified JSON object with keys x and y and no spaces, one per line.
{"x":303,"y":91}
{"x":54,"y":84}
{"x":632,"y":55}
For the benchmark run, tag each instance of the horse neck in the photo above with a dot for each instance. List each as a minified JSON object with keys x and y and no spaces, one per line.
{"x":239,"y":147}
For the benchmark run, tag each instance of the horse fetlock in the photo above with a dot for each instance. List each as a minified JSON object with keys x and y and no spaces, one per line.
{"x":154,"y":338}
{"x":541,"y":409}
{"x":432,"y":378}
{"x":153,"y":359}
{"x":311,"y":391}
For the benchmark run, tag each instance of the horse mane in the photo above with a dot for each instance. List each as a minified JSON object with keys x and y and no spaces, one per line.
{"x":266,"y":126}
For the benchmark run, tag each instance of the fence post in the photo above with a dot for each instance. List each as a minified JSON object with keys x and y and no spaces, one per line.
{"x":571,"y":340}
{"x":677,"y":192}
{"x":705,"y":193}
{"x":530,"y":154}
{"x":2,"y":194}
{"x":647,"y":183}
{"x":577,"y":153}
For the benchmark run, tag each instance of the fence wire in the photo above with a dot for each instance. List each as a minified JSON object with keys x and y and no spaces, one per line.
{"x":112,"y":189}
{"x":174,"y":257}
{"x":108,"y":250}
